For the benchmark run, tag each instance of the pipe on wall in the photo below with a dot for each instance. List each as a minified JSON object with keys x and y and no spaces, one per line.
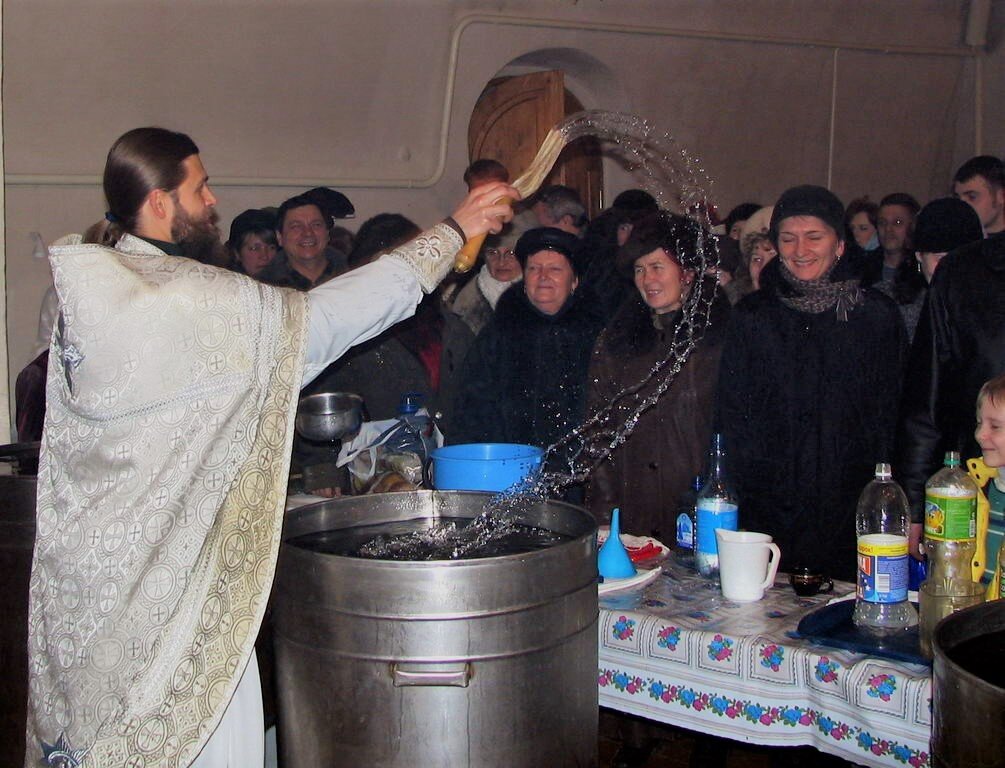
{"x":500,"y":19}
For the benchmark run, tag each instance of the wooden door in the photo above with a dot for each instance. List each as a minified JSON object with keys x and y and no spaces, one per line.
{"x":511,"y":119}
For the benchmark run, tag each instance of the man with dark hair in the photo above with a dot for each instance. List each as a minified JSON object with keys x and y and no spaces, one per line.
{"x":560,"y":207}
{"x":303,"y":230}
{"x":980,"y":182}
{"x":172,"y":387}
{"x":895,"y":225}
{"x":485,"y":171}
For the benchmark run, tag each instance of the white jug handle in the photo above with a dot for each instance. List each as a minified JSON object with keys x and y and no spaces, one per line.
{"x":776,"y":555}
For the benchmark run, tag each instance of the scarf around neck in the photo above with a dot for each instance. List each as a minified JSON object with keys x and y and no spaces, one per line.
{"x":822,"y":294}
{"x":491,"y":288}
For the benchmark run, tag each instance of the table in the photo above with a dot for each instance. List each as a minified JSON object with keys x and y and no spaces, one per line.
{"x":679,"y":653}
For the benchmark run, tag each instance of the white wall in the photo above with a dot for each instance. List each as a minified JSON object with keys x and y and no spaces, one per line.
{"x":374,"y":97}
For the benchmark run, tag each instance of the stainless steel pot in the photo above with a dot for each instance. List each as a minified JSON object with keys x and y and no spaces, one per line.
{"x":968,"y":712}
{"x":483,"y":662}
{"x":329,"y":416}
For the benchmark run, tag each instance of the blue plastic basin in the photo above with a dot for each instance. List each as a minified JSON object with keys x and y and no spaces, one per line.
{"x":483,"y":466}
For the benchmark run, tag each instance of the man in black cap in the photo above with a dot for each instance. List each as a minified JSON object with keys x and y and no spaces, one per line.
{"x":959,"y":344}
{"x":942,"y":226}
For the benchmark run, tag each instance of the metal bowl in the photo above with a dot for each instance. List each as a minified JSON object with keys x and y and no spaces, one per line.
{"x":329,"y":416}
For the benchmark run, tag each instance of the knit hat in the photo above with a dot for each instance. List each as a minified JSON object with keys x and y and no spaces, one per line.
{"x":808,"y":200}
{"x":677,"y":235}
{"x":251,"y":220}
{"x":944,"y":225}
{"x":635,"y":200}
{"x":550,"y":239}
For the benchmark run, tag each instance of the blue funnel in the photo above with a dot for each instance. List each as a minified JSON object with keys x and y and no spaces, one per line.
{"x":613,"y":561}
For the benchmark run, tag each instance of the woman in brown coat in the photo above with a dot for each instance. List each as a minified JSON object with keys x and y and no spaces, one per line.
{"x":649,"y":472}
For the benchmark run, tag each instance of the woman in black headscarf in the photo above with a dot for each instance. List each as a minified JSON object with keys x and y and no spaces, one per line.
{"x":808,"y":387}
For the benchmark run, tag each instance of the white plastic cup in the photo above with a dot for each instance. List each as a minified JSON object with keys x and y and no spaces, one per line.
{"x":748,"y":563}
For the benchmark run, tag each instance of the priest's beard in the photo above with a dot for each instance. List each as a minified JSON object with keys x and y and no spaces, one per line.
{"x":198,"y":239}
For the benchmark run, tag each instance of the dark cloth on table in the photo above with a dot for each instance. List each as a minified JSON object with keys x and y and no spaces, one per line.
{"x":959,"y":344}
{"x":524,"y":379}
{"x":807,"y":405}
{"x":648,"y":474}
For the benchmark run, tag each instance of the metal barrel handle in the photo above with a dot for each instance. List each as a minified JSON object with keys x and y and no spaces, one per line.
{"x":412,"y":674}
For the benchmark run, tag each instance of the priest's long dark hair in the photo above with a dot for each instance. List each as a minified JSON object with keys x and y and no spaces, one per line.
{"x":140,"y":161}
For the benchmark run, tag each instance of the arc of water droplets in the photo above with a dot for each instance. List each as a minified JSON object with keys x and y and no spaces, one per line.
{"x":679,"y":184}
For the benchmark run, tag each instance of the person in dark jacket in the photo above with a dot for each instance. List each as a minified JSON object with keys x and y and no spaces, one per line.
{"x":524,"y":379}
{"x":959,"y":344}
{"x":648,"y":473}
{"x":808,"y":388}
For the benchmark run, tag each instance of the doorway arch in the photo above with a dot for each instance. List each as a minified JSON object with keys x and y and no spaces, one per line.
{"x":528,"y":97}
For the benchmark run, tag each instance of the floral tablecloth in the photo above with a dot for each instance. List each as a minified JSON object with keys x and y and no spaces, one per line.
{"x":678,"y":652}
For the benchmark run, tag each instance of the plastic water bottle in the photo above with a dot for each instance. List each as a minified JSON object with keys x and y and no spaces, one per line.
{"x":416,"y":430}
{"x":716,"y":508}
{"x":950,"y":522}
{"x":686,"y":520}
{"x":882,"y":522}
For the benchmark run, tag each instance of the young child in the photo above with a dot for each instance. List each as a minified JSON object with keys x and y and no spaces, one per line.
{"x":990,"y":435}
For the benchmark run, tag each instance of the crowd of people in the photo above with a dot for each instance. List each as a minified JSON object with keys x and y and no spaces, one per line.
{"x":172,"y":387}
{"x":806,"y":363}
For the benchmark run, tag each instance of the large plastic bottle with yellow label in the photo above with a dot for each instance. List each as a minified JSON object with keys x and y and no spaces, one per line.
{"x":950,"y":522}
{"x":882,"y":521}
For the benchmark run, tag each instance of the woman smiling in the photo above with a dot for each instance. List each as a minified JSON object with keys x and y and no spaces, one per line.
{"x":808,"y":387}
{"x":652,"y":469}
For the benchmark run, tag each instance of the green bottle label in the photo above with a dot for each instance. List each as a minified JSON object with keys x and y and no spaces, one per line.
{"x":950,"y":518}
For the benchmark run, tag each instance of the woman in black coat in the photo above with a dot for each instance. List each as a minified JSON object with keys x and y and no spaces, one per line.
{"x":808,"y":388}
{"x":647,"y":474}
{"x":524,"y":379}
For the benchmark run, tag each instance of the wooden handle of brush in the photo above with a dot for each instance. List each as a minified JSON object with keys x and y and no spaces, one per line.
{"x":468,"y":255}
{"x":526,"y":185}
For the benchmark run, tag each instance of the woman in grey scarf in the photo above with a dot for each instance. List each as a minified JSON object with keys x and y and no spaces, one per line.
{"x":808,"y":387}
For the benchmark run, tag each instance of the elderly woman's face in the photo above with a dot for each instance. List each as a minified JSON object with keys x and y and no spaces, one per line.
{"x":808,"y":246}
{"x":549,"y":280}
{"x":661,"y":281}
{"x":502,"y":264}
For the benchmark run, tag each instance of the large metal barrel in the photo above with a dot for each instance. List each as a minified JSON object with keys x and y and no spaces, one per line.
{"x":968,"y":697}
{"x":484,"y":662}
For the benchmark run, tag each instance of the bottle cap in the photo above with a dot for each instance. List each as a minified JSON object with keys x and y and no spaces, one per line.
{"x":883,"y":471}
{"x":410,"y":403}
{"x":952,"y":458}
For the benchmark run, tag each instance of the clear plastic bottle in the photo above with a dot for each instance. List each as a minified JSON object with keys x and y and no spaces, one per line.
{"x":882,"y":522}
{"x":716,"y":508}
{"x":686,"y":522}
{"x":950,"y":521}
{"x":414,"y":436}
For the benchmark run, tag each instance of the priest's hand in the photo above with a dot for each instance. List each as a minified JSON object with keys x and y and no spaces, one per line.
{"x":485,"y":209}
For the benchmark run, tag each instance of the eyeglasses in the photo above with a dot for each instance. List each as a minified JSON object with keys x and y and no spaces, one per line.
{"x":501,"y":255}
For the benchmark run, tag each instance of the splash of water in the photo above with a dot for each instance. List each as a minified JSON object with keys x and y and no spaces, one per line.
{"x":679,"y":183}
